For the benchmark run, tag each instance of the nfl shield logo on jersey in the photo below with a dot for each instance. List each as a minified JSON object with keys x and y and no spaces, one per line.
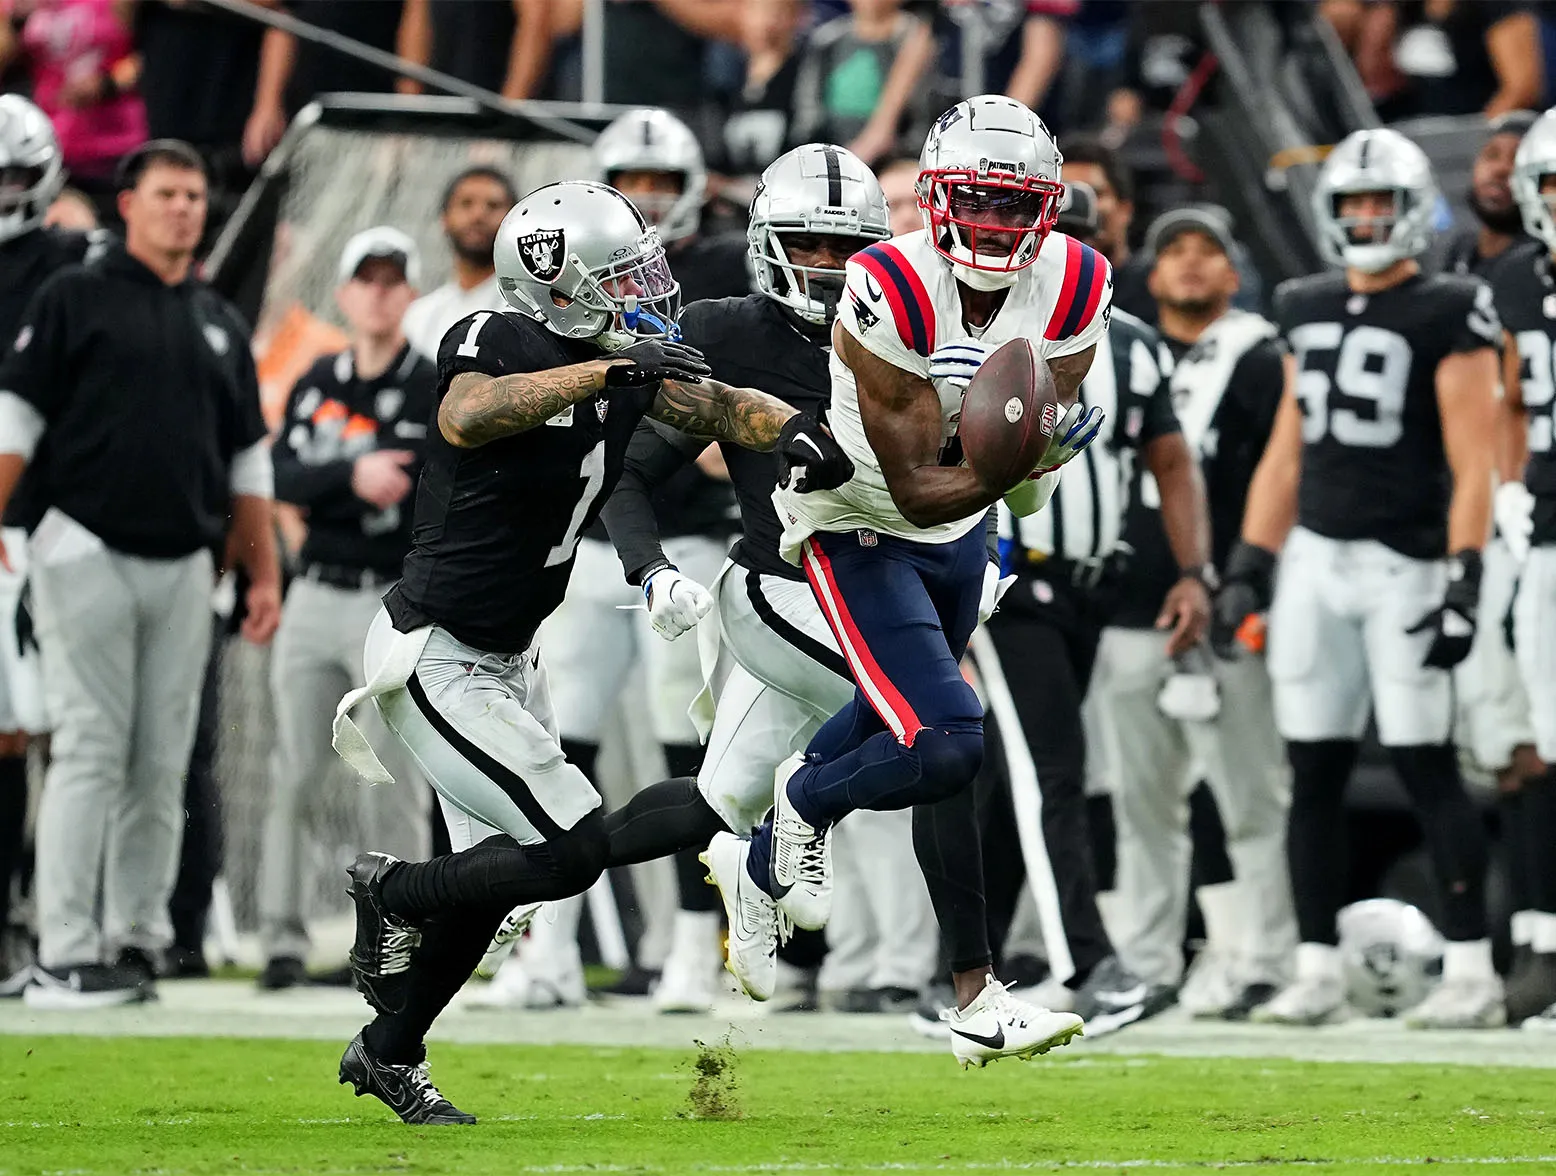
{"x":542,"y":252}
{"x":602,"y":406}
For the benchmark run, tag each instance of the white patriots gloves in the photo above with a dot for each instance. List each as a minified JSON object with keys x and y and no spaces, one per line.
{"x":1513,"y":508}
{"x":957,"y":363}
{"x":994,"y":588}
{"x":675,"y":602}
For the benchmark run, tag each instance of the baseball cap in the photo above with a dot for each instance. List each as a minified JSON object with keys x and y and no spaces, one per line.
{"x":1078,"y":213}
{"x":381,"y":241}
{"x":1201,"y":218}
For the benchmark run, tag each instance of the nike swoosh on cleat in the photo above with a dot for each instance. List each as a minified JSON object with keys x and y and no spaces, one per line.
{"x":995,"y":1042}
{"x":1129,"y":996}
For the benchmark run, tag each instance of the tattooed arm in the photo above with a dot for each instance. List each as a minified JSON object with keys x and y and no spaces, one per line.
{"x":479,"y":408}
{"x":719,"y":412}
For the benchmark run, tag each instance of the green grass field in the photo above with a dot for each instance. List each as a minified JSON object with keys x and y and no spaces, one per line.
{"x":95,"y":1107}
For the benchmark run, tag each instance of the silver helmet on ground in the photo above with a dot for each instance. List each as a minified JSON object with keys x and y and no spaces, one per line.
{"x":1379,"y":160}
{"x":1391,"y":954}
{"x":579,"y":257}
{"x":653,"y":140}
{"x":816,"y":190}
{"x":32,"y":170}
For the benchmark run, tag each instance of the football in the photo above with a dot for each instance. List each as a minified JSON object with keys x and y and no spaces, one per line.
{"x":1009,"y":412}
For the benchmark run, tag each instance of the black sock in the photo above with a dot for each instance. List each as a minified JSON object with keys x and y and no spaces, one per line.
{"x":1208,"y":835}
{"x":1455,"y":837}
{"x":1538,"y":839}
{"x":945,"y":839}
{"x":499,"y":871}
{"x":660,"y":820}
{"x":13,"y":826}
{"x":683,"y":759}
{"x":1315,"y":834}
{"x":691,"y":877}
{"x":451,"y":947}
{"x":1515,"y":847}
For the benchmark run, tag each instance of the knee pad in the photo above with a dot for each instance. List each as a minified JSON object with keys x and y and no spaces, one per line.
{"x":947,"y":760}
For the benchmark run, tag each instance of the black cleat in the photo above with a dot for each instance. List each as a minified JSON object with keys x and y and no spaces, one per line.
{"x":381,"y":955}
{"x":405,"y":1090}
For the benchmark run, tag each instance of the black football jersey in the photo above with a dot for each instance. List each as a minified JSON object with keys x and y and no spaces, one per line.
{"x":25,"y":262}
{"x":1525,"y":292}
{"x":496,"y":526}
{"x":1373,"y":465}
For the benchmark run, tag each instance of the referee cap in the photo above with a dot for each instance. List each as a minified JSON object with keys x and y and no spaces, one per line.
{"x":381,"y":241}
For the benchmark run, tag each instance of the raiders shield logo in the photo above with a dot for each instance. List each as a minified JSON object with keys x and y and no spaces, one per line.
{"x":542,"y":252}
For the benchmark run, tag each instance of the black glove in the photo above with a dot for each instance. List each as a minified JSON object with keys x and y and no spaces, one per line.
{"x":1246,"y":588}
{"x":654,"y":360}
{"x":1452,"y":623}
{"x":811,"y":459}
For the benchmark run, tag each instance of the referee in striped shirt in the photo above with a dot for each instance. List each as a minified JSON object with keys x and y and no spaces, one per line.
{"x":1036,"y":656}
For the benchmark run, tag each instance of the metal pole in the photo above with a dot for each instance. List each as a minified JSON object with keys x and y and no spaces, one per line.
{"x":592,"y":90}
{"x":403,"y":68}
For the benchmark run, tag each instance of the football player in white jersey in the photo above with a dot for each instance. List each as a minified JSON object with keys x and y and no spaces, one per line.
{"x":897,"y":557}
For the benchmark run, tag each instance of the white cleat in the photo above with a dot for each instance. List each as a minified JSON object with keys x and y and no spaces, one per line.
{"x":1543,"y":1023}
{"x":530,"y":980}
{"x":997,"y":1025}
{"x":513,"y":927}
{"x":753,"y":918}
{"x":688,"y":984}
{"x":1474,"y":1002}
{"x":802,"y":857}
{"x":1309,"y":1000}
{"x":1211,"y":986}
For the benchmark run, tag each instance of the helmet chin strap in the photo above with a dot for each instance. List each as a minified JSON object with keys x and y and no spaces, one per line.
{"x":986,"y":280}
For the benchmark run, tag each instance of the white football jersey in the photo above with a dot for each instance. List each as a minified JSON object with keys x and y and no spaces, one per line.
{"x":901,"y":303}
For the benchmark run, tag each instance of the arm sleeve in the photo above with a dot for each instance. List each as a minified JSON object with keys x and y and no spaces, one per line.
{"x":297,"y":482}
{"x":1477,"y":326}
{"x":884,"y":314}
{"x":653,"y":454}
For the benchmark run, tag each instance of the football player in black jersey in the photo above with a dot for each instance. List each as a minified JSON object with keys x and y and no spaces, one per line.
{"x":1525,"y":285}
{"x":31,"y":176}
{"x":1377,"y":484}
{"x":778,"y":673}
{"x":536,"y":407}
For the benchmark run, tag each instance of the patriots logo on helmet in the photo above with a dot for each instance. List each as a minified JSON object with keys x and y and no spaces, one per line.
{"x":542,"y":252}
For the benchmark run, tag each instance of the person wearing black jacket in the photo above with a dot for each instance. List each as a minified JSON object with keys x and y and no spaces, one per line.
{"x":138,"y":382}
{"x":346,"y":456}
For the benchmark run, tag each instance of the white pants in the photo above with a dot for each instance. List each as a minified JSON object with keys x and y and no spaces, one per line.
{"x":601,"y":629}
{"x":481,"y":728}
{"x":1158,"y":759}
{"x":21,"y":682}
{"x":1338,"y":641}
{"x":1535,"y":637}
{"x":1493,"y":706}
{"x":777,"y":676}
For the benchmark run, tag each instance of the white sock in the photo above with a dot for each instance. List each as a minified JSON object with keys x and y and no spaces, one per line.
{"x":1221,"y":907}
{"x":1518,"y":928}
{"x":695,"y":935}
{"x":1542,"y":931}
{"x":1469,"y":959}
{"x":1318,"y":961}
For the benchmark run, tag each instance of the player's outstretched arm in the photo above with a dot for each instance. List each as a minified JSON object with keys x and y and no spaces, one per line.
{"x":715,"y":411}
{"x":1466,"y":405}
{"x":479,"y":408}
{"x":628,"y":513}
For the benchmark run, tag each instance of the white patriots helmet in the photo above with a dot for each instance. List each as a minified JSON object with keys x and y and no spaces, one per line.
{"x":1535,"y":160}
{"x":815,"y":190}
{"x":989,"y":166}
{"x":654,"y":140}
{"x":579,"y":257}
{"x":1379,"y":160}
{"x":32,"y":170}
{"x":1391,"y":954}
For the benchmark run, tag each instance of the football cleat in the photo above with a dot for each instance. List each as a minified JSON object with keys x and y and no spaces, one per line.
{"x":801,"y":859}
{"x":381,"y":955}
{"x":1543,"y":1023}
{"x":753,"y":918}
{"x":1473,"y":1002}
{"x":997,"y":1025}
{"x":1113,"y":997}
{"x":514,"y":924}
{"x":86,"y":986}
{"x":405,"y":1090}
{"x":1210,"y":987}
{"x":552,"y":979}
{"x":688,"y":984}
{"x":1307,"y":1000}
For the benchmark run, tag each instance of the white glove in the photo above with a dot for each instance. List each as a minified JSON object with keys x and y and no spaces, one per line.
{"x":994,"y":588}
{"x":1513,"y":508}
{"x":958,"y":362}
{"x":675,"y":602}
{"x":1077,"y":429}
